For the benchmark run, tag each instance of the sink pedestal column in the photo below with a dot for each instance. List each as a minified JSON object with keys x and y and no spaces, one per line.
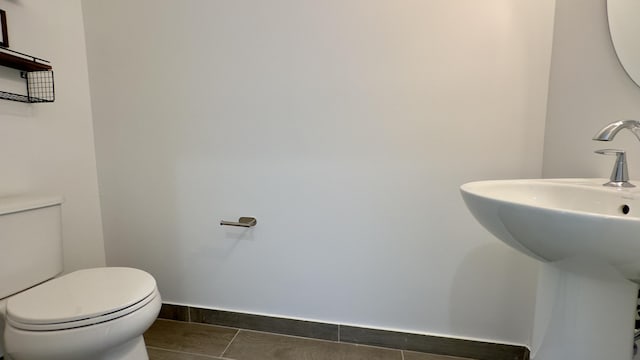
{"x":585,"y":310}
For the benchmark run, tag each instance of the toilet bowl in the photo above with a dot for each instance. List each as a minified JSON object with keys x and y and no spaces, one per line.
{"x":89,"y":314}
{"x":94,"y":314}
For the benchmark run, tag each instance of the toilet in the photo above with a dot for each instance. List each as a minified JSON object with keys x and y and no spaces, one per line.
{"x":90,"y":314}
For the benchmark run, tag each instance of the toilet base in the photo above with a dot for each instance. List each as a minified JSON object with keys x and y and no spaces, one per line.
{"x":132,"y":350}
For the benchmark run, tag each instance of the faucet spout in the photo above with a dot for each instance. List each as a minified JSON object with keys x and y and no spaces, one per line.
{"x":608,"y":132}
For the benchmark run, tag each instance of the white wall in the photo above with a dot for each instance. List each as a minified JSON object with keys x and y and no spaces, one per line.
{"x":588,"y":89}
{"x":48,"y":148}
{"x":346,"y":128}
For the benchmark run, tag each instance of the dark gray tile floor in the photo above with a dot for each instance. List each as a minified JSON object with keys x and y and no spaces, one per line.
{"x":175,"y":340}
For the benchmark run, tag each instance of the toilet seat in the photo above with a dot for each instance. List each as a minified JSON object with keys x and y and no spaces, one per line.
{"x":81,"y":298}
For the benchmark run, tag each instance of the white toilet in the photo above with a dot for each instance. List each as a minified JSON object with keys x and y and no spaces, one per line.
{"x":91,"y":314}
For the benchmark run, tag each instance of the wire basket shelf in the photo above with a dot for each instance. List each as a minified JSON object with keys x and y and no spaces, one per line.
{"x":40,"y":86}
{"x":37,"y":74}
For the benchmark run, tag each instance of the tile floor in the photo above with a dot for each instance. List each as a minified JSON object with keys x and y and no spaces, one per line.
{"x":175,"y":340}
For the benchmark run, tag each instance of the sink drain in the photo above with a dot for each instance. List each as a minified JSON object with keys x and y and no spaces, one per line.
{"x":625,"y":209}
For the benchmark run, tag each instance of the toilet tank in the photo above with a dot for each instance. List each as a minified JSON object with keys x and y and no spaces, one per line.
{"x":30,"y":241}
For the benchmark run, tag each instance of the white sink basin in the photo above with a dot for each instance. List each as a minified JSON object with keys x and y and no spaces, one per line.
{"x":555,"y":219}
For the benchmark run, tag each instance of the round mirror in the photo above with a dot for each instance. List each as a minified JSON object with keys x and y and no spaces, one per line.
{"x":625,"y":34}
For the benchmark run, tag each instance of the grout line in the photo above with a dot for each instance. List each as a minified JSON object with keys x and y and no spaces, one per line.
{"x":292,"y":336}
{"x":230,"y":342}
{"x":339,"y":335}
{"x":188,"y":313}
{"x":183,"y":352}
{"x":197,"y":324}
{"x":321,"y":340}
{"x":402,"y":354}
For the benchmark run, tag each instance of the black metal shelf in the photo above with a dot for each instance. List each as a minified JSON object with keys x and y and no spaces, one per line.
{"x":36,"y":72}
{"x":21,"y":98}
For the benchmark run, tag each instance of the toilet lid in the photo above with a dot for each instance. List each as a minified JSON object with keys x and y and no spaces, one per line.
{"x":80,"y":295}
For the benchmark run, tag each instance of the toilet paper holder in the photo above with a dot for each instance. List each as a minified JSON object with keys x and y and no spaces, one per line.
{"x":244,"y":221}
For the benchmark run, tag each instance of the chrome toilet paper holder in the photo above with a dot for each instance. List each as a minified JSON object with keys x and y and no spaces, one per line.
{"x":244,"y":221}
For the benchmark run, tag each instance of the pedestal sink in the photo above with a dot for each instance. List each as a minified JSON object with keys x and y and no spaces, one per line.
{"x":587,"y":237}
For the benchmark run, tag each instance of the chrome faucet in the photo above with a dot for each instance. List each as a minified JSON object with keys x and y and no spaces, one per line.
{"x":608,"y":132}
{"x":619,"y":174}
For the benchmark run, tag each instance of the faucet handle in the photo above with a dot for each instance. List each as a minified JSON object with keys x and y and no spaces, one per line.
{"x":620,"y":173}
{"x":616,"y":152}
